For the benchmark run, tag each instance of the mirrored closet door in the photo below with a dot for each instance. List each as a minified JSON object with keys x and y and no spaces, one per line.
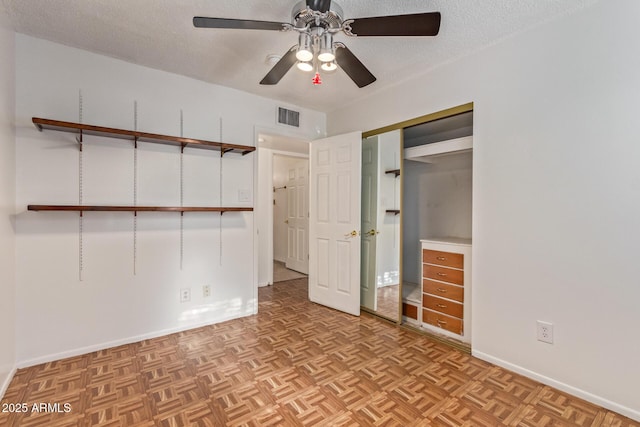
{"x":380,"y":228}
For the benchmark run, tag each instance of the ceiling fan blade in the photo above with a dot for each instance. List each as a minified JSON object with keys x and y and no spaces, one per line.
{"x":351,"y":65}
{"x":240,"y":24}
{"x":321,"y":6}
{"x":419,"y":24}
{"x":280,"y":69}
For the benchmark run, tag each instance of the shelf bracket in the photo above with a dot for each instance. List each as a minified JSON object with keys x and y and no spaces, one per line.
{"x":182,"y":147}
{"x":244,"y":153}
{"x":224,"y":150}
{"x":135,"y":142}
{"x":79,"y":139}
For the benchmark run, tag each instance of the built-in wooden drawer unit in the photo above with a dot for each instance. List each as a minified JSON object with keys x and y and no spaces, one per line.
{"x":443,"y":274}
{"x":443,"y":305}
{"x":449,"y":323}
{"x":447,"y":259}
{"x":443,"y":290}
{"x":410,"y":310}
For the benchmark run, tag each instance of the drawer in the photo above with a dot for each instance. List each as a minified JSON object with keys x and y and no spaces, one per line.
{"x":410,"y":311}
{"x":443,"y":274}
{"x":447,"y":259}
{"x":451,"y":324}
{"x":443,"y":290}
{"x":443,"y":306}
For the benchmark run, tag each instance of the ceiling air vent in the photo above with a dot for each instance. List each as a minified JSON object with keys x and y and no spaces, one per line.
{"x":288,"y":117}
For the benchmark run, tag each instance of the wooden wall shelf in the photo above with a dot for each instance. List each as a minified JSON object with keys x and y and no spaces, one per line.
{"x":136,"y":136}
{"x":396,"y":172}
{"x":83,"y":208}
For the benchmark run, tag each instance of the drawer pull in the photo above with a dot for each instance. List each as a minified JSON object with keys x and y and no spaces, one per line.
{"x":441,"y":322}
{"x":441,"y":274}
{"x":444,"y":291}
{"x":441,"y":258}
{"x":441,"y":305}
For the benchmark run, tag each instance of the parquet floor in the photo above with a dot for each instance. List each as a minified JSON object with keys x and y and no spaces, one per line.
{"x":388,"y":300}
{"x":295,"y":363}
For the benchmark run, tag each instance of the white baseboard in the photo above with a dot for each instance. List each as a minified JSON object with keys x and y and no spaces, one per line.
{"x":103,"y":346}
{"x":5,"y":384}
{"x":589,"y":397}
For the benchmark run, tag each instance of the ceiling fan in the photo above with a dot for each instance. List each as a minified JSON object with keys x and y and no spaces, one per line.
{"x":316,"y":21}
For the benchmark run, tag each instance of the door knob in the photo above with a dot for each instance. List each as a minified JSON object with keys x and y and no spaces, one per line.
{"x":372,"y":232}
{"x":354,"y":233}
{"x":286,"y":221}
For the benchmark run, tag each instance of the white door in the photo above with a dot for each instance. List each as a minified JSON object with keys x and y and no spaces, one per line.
{"x":334,"y":222}
{"x":298,"y":216}
{"x":368,"y":288}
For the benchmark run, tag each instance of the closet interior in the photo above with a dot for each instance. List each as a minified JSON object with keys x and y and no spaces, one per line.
{"x":437,"y":177}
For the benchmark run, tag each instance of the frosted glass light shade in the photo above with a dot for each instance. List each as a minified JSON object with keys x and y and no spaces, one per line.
{"x":326,"y":48}
{"x":305,"y":49}
{"x":305,"y":65}
{"x":329,"y":66}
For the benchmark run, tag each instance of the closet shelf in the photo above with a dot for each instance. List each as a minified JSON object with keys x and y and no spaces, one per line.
{"x":136,"y":136}
{"x":396,"y":172}
{"x":393,"y":211}
{"x":106,"y":208}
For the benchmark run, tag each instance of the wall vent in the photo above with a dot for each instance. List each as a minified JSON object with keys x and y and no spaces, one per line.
{"x":288,"y":117}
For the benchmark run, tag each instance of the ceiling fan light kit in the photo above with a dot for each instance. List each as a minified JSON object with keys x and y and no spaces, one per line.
{"x":317,"y":21}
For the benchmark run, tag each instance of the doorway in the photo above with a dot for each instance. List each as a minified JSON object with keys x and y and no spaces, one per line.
{"x":272,"y":206}
{"x":290,"y":181}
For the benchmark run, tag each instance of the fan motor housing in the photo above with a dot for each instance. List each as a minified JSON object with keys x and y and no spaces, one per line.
{"x":302,"y":16}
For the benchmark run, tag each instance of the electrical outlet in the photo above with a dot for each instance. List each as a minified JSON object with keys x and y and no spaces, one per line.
{"x":206,"y":291}
{"x":545,"y":331}
{"x":185,"y":294}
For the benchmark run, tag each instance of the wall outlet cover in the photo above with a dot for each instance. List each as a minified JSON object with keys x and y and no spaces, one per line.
{"x":185,"y":294}
{"x":545,"y":331}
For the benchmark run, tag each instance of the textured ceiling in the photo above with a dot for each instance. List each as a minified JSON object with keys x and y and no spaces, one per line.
{"x":160,"y":34}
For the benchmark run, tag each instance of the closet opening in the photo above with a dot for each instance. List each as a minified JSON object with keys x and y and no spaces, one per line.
{"x":425,"y":200}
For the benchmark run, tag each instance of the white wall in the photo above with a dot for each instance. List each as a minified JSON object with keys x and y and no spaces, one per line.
{"x":58,"y":314}
{"x":437,"y":202}
{"x":7,"y":208}
{"x":556,"y":196}
{"x":264,"y":216}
